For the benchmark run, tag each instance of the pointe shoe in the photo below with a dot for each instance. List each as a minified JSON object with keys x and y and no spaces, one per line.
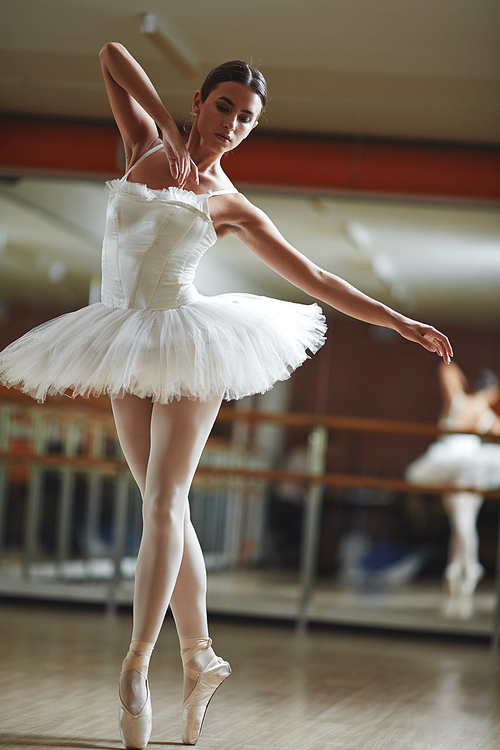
{"x":461,"y":584}
{"x":135,"y":729}
{"x":453,"y":576}
{"x":472,"y":575}
{"x":207,"y":681}
{"x":453,"y":586}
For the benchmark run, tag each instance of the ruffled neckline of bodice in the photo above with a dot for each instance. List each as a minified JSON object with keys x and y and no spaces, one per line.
{"x":168,"y":194}
{"x":172,"y":194}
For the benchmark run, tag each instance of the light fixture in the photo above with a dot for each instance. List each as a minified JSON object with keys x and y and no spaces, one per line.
{"x":168,"y":42}
{"x":57,"y":271}
{"x":359,"y":235}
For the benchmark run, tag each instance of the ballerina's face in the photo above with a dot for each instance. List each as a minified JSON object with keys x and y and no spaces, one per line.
{"x":227,"y":116}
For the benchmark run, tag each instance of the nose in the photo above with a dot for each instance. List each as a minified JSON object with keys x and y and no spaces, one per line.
{"x":229,"y":123}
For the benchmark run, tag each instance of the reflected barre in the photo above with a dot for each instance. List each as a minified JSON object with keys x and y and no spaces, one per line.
{"x":73,"y":444}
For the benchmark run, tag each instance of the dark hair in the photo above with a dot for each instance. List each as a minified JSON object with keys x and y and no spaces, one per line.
{"x":239,"y":71}
{"x":487,"y":379}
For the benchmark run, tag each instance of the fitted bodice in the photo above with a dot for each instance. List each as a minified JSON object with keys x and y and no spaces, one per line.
{"x":153,"y":242}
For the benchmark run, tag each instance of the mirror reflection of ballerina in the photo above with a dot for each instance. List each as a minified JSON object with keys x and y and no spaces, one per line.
{"x":469,"y":464}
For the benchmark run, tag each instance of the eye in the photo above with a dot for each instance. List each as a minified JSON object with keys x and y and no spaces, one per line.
{"x":245,"y":120}
{"x":221,"y":108}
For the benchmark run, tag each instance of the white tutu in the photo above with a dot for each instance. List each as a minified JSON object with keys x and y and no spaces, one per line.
{"x":231,"y":344}
{"x":463,"y":461}
{"x":153,"y":334}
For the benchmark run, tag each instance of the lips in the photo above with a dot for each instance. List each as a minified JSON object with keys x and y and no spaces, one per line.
{"x":223,"y":137}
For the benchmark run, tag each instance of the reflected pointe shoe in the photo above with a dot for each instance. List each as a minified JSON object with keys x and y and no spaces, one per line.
{"x":453,"y":585}
{"x":207,"y":681}
{"x":461,"y":582}
{"x":135,"y":729}
{"x":472,"y":575}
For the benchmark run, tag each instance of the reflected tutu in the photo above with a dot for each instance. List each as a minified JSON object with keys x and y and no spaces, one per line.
{"x":460,"y":460}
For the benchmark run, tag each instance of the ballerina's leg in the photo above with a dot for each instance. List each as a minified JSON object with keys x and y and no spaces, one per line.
{"x":462,"y":509}
{"x":162,"y":445}
{"x":463,"y":570}
{"x":189,"y":600}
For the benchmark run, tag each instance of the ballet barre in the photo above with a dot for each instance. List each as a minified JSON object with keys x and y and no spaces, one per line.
{"x":86,"y":445}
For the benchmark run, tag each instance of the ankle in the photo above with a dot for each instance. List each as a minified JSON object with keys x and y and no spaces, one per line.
{"x":141,"y":647}
{"x":201,"y":660}
{"x":196,"y":653}
{"x":138,"y":656}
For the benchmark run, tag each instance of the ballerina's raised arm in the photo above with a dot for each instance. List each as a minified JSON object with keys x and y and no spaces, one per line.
{"x":224,"y":116}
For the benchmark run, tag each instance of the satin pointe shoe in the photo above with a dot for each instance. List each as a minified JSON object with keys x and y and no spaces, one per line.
{"x":453,"y":589}
{"x":453,"y":576}
{"x":135,"y":729}
{"x":472,"y":575}
{"x":207,"y":681}
{"x":461,"y":583}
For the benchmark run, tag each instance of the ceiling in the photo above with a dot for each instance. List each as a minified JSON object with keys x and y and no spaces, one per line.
{"x":412,"y":69}
{"x":389,"y":69}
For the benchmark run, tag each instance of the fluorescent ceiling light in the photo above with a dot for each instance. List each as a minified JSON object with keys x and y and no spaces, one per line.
{"x":169,"y":43}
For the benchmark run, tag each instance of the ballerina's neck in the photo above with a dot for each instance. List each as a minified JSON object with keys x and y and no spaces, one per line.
{"x":200,"y":196}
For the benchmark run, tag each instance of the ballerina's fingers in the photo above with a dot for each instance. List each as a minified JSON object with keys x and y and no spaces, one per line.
{"x":180,"y":164}
{"x":194,"y":171}
{"x":183,"y":169}
{"x":440,"y":344}
{"x":185,"y":166}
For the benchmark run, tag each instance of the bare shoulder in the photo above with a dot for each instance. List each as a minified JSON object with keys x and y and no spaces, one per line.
{"x":240,"y":214}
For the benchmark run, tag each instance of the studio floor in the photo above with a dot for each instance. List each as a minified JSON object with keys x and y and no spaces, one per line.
{"x":330,"y":688}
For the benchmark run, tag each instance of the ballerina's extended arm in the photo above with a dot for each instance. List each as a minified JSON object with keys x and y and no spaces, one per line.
{"x":256,"y":230}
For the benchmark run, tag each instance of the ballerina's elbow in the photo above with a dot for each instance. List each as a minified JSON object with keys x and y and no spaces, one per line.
{"x":318,"y":281}
{"x":110,"y":48}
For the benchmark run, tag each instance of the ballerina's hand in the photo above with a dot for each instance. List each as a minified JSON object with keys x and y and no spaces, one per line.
{"x":180,"y":163}
{"x":428,"y":337}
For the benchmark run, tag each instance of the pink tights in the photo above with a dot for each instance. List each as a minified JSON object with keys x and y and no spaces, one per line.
{"x":462,"y":509}
{"x":162,"y":444}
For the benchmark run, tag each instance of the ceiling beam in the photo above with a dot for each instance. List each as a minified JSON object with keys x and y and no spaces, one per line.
{"x":348,"y":165}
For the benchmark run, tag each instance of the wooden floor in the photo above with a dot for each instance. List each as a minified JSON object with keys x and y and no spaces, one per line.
{"x":328,"y":689}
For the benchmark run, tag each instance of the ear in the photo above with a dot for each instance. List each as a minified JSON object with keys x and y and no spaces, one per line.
{"x":197,"y":102}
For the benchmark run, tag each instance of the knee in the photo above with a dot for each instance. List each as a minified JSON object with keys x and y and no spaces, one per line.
{"x":165,"y":508}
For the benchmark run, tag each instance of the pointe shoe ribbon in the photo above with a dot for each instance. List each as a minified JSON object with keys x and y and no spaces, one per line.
{"x":135,"y":729}
{"x":207,"y":681}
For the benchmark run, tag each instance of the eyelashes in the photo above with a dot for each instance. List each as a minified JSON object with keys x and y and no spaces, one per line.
{"x":243,"y":118}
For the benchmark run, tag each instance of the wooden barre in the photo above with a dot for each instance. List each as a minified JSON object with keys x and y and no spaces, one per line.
{"x":100,"y":409}
{"x":111,"y":466}
{"x":339,"y":480}
{"x":355,"y":424}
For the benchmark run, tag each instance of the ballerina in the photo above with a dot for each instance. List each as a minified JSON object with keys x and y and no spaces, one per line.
{"x":465,"y":461}
{"x":167,"y":356}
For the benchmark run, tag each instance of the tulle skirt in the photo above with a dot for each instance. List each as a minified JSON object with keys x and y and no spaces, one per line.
{"x":230,"y":344}
{"x":459,"y":460}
